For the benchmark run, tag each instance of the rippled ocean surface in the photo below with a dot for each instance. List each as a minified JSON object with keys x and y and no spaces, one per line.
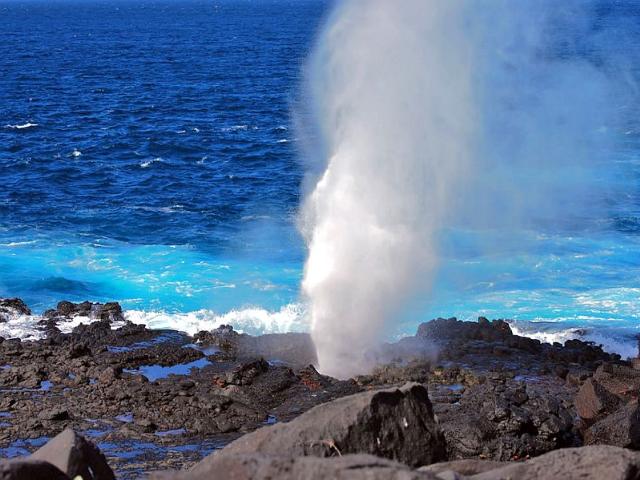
{"x":147,"y":152}
{"x":148,"y":155}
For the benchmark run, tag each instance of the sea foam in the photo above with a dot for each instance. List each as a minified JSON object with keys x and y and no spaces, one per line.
{"x":251,"y":320}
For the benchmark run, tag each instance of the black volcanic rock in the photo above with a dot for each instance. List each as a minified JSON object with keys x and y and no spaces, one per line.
{"x":10,"y":307}
{"x":443,"y":328}
{"x":108,"y":312}
{"x":246,"y":372}
{"x":501,"y":422}
{"x":29,"y":469}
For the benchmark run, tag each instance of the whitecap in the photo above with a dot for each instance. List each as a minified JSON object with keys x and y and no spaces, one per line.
{"x":236,"y":128}
{"x":613,"y":342}
{"x":253,"y":320}
{"x":148,"y":163}
{"x":177,"y":208}
{"x":23,"y":126}
{"x":283,"y":140}
{"x":18,"y":244}
{"x":76,"y":153}
{"x":25,"y":326}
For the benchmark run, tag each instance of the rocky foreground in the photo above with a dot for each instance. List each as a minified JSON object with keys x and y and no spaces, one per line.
{"x":457,"y":400}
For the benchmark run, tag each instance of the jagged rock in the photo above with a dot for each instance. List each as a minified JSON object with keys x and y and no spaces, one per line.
{"x":10,"y":307}
{"x":224,"y":337}
{"x":503,"y":422}
{"x":586,"y":463}
{"x":255,"y":466}
{"x":444,"y":328}
{"x":77,"y":350}
{"x":75,"y":455}
{"x":397,"y":424}
{"x":593,"y":400}
{"x":108,"y":312}
{"x":29,"y":469}
{"x":56,"y":414}
{"x":109,"y":374}
{"x":111,"y":311}
{"x":621,"y":429}
{"x":245,"y":373}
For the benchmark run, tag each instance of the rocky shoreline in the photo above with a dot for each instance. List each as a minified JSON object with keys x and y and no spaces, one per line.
{"x":470,"y":394}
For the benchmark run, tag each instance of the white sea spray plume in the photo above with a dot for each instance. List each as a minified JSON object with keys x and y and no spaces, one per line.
{"x":428,"y":117}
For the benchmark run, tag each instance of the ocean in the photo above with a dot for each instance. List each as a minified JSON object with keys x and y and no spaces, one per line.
{"x":149,"y":155}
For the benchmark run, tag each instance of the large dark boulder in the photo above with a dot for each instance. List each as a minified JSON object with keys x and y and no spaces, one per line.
{"x":75,"y":455}
{"x":260,"y":467}
{"x":29,"y":469}
{"x":586,"y":463}
{"x":397,"y":424}
{"x":621,"y":429}
{"x":593,"y":400}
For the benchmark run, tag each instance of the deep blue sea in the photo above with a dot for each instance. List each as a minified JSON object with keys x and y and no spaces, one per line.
{"x":148,"y":155}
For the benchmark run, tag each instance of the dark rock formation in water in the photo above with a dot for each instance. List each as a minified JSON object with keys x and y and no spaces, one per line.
{"x":11,"y":307}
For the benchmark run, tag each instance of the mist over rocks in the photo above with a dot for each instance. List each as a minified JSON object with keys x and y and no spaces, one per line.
{"x":292,"y":348}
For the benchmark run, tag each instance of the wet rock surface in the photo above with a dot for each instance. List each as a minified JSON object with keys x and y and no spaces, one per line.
{"x":150,"y":399}
{"x":159,"y":400}
{"x":11,"y":307}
